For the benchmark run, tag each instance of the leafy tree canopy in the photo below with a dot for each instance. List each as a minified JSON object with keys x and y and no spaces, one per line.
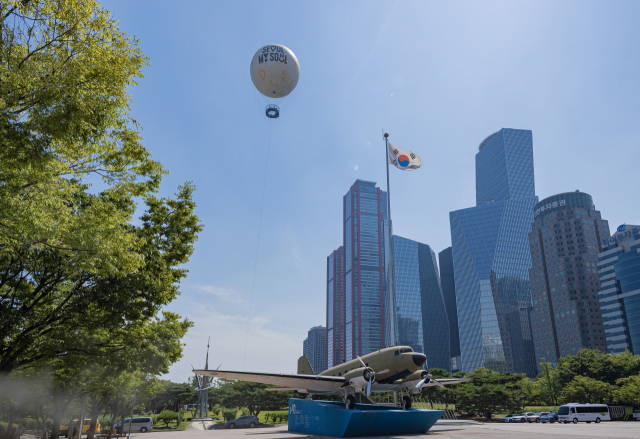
{"x":64,"y":123}
{"x":490,"y":392}
{"x":253,"y":396}
{"x":629,"y":390}
{"x":594,"y":364}
{"x":50,"y":308}
{"x":586,"y":390}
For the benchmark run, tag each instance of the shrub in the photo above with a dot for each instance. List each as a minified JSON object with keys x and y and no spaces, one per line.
{"x":3,"y":429}
{"x":229,"y":414}
{"x":244,"y":411}
{"x":166,"y":416}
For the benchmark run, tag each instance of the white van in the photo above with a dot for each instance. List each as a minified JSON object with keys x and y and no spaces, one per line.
{"x":142,"y":424}
{"x":583,"y":413}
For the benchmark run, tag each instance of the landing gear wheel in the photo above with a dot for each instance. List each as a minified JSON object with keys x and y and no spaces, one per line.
{"x":597,"y":420}
{"x":406,"y":402}
{"x":575,"y":420}
{"x":350,"y":402}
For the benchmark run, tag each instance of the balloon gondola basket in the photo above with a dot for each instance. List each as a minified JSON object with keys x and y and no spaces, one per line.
{"x":272,"y":111}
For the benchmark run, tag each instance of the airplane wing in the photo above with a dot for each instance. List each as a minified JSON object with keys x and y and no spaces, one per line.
{"x":301,"y":383}
{"x":446,"y":381}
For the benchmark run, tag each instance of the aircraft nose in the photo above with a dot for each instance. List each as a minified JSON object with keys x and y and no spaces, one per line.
{"x":419,"y":359}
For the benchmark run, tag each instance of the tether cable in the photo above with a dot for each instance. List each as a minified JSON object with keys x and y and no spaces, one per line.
{"x":255,"y":263}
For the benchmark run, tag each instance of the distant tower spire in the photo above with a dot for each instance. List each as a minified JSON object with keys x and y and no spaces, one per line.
{"x":206,"y":363}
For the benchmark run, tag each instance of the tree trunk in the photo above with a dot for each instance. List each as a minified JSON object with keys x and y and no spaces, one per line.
{"x":11,"y":409}
{"x":60,"y":406}
{"x":55,"y":428}
{"x":96,"y":408}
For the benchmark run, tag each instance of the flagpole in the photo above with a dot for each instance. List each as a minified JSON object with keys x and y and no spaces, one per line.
{"x":392,"y":295}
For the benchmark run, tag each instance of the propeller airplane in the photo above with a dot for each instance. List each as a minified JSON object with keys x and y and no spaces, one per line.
{"x":396,"y":368}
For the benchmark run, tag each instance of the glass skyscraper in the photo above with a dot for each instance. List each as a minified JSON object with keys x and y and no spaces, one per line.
{"x":315,"y":348}
{"x":445,"y":257}
{"x":420,"y":313}
{"x":491,"y":258}
{"x":365,"y":215}
{"x":564,"y":241}
{"x":335,"y":308}
{"x":619,"y":269}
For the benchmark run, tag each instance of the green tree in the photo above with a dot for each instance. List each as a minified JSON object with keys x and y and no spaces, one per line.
{"x":594,"y":364}
{"x":253,"y":396}
{"x":52,"y":309}
{"x":167,"y":416}
{"x":489,"y":392}
{"x":70,"y":257}
{"x":586,"y":390}
{"x":628,"y":391}
{"x":548,"y":384}
{"x":64,"y":117}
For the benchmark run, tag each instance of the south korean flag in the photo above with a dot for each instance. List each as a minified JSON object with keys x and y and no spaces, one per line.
{"x":401,"y":159}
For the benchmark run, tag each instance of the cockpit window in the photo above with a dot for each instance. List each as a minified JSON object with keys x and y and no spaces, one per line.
{"x":397,"y":352}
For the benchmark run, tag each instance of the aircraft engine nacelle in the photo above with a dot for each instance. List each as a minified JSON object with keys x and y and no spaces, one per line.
{"x":359,"y":377}
{"x":419,"y":375}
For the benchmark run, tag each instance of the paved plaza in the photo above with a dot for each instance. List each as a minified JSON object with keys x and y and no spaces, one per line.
{"x":442,"y":430}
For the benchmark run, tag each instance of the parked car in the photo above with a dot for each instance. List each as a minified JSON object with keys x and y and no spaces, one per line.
{"x":506,"y":418}
{"x":522,"y":417}
{"x":243,"y":421}
{"x":64,"y":429}
{"x":550,"y":418}
{"x":536,"y":417}
{"x":142,"y":424}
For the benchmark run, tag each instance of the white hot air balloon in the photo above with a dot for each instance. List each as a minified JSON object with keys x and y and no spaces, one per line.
{"x":275,"y":72}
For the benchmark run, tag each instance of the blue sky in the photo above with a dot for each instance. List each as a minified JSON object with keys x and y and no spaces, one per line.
{"x":438,"y":76}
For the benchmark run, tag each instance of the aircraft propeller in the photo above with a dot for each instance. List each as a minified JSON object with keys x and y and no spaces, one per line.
{"x":427,"y":378}
{"x":370,"y":375}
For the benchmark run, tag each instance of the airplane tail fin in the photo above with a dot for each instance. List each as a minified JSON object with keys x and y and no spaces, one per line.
{"x":304,"y":367}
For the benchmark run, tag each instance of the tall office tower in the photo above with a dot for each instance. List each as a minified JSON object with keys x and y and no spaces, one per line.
{"x":564,"y":242}
{"x":315,"y":348}
{"x":491,"y":257}
{"x":619,"y":268}
{"x":365,"y":212}
{"x":335,"y":308}
{"x":420,"y":312}
{"x":445,"y":258}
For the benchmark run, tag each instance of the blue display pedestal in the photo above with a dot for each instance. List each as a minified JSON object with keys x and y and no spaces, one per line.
{"x":329,"y":418}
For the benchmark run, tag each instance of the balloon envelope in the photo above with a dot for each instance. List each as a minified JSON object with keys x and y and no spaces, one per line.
{"x":275,"y":70}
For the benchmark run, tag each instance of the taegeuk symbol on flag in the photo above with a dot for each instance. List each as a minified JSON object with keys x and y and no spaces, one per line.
{"x":401,"y":159}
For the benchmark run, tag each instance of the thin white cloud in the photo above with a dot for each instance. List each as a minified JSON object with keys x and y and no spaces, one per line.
{"x":225,"y":294}
{"x":270,"y":347}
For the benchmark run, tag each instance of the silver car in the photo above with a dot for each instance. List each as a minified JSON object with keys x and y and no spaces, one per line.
{"x":536,"y":417}
{"x":142,"y":424}
{"x":243,"y":421}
